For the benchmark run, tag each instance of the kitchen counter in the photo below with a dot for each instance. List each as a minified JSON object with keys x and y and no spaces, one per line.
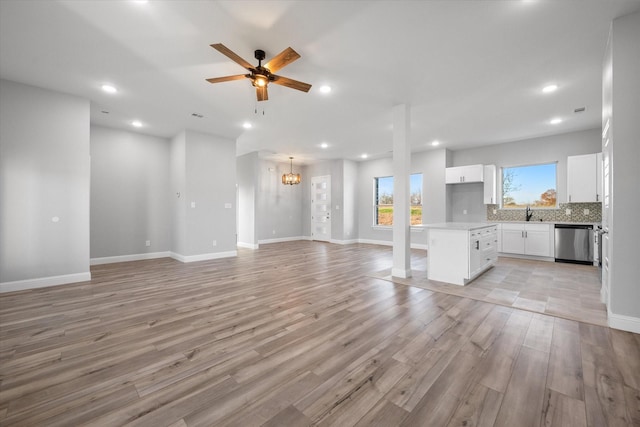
{"x":546,"y":222}
{"x":463,"y":226}
{"x":460,"y":251}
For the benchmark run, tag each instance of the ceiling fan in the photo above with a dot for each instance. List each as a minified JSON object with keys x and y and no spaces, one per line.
{"x":262,"y":75}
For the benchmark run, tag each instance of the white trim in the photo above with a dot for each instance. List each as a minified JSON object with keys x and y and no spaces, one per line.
{"x":390,"y":243}
{"x":344,"y":242}
{"x":247,"y":245}
{"x":414,"y":228}
{"x":127,"y":258}
{"x":522,"y":256}
{"x":203,"y":257}
{"x":624,"y":323}
{"x":43,"y":282}
{"x":401,"y":273}
{"x":604,"y":296}
{"x":281,"y":239}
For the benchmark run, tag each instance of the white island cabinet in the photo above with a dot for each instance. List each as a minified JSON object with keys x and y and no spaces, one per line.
{"x":460,"y":252}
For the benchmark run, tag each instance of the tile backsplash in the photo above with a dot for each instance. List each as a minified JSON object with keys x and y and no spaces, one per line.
{"x":550,"y":215}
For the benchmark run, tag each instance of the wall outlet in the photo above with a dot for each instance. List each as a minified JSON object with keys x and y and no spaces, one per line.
{"x":215,"y":243}
{"x":495,"y":211}
{"x":193,"y":204}
{"x":567,"y":212}
{"x":147,"y":243}
{"x":337,"y":207}
{"x":586,"y":211}
{"x":273,"y":232}
{"x":464,"y":212}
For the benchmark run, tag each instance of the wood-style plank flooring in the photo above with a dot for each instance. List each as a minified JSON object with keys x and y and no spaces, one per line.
{"x":295,"y":334}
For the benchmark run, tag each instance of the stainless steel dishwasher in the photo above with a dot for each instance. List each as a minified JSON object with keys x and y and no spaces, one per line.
{"x":574,"y":243}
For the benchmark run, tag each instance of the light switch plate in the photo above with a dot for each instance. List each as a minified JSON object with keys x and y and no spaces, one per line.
{"x":193,"y":204}
{"x":147,"y":243}
{"x":227,"y":205}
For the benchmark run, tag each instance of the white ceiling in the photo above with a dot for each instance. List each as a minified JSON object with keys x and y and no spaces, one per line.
{"x":471,"y":71}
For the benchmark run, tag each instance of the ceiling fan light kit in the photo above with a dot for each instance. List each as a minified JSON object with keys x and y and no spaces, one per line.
{"x":262,"y":75}
{"x":291,"y":178}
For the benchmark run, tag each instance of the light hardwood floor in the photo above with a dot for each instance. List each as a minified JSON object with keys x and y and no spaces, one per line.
{"x":303,"y":333}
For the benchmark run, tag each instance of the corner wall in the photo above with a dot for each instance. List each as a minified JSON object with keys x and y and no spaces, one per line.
{"x":130,"y":195}
{"x":624,"y":307}
{"x":44,"y":187}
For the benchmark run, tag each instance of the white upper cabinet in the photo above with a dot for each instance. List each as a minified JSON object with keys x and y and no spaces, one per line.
{"x":490,"y":185}
{"x":584,"y":178}
{"x":464,"y":174}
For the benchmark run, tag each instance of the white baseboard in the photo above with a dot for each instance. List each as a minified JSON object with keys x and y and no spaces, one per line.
{"x":604,"y":296}
{"x":390,"y":243}
{"x":344,"y":242}
{"x":248,"y":245}
{"x":624,"y":323}
{"x":401,"y":273}
{"x":531,"y":257}
{"x":203,"y":257}
{"x":126,"y":258}
{"x":281,"y":239}
{"x":43,"y":282}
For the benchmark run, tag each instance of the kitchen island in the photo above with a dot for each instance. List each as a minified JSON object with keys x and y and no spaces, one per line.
{"x":458,"y":252}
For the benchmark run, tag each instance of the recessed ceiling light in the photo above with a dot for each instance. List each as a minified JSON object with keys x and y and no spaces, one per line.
{"x":136,"y":123}
{"x":325,"y":89}
{"x":324,"y":145}
{"x":364,"y":156}
{"x":555,"y":121}
{"x":109,"y":88}
{"x":550,"y":88}
{"x":435,"y":143}
{"x":247,"y":125}
{"x":141,"y":1}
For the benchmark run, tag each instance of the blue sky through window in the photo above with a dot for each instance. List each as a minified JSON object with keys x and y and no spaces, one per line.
{"x":529,"y":182}
{"x":385,"y":184}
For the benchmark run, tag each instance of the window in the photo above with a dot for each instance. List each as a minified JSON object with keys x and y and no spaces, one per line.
{"x":383,"y":193}
{"x":533,"y":185}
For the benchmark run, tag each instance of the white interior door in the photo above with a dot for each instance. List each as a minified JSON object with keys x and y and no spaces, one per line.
{"x":321,"y":208}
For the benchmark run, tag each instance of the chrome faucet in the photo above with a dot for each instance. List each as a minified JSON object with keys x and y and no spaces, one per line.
{"x":528,"y":213}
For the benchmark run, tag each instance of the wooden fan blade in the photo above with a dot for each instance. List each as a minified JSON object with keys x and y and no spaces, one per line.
{"x":293,"y":84}
{"x":261,"y":93}
{"x":282,"y":59}
{"x":232,"y":56}
{"x":226,"y":78}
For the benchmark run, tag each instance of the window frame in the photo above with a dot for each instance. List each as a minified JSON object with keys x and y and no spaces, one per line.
{"x":376,"y":203}
{"x":501,"y":188}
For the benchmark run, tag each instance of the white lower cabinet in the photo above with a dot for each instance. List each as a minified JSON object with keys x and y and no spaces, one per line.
{"x":457,"y":254}
{"x":527,"y":239}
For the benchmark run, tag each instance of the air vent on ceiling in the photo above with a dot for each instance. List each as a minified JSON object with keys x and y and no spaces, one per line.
{"x":580,"y":110}
{"x":197,"y":115}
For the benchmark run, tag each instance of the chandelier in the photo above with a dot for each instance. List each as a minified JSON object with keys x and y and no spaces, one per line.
{"x":291,"y":178}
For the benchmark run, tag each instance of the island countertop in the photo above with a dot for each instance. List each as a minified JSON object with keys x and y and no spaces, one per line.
{"x":464,"y":226}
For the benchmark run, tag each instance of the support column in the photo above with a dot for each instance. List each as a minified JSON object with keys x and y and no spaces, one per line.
{"x":401,"y":209}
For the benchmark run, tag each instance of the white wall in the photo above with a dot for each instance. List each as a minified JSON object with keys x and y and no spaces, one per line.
{"x":349,"y":204}
{"x":130,"y":193}
{"x":247,"y":175}
{"x":203,"y":189}
{"x":278,"y":206}
{"x":210,"y":184}
{"x":625,"y":160}
{"x":44,"y":174}
{"x":178,"y":180}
